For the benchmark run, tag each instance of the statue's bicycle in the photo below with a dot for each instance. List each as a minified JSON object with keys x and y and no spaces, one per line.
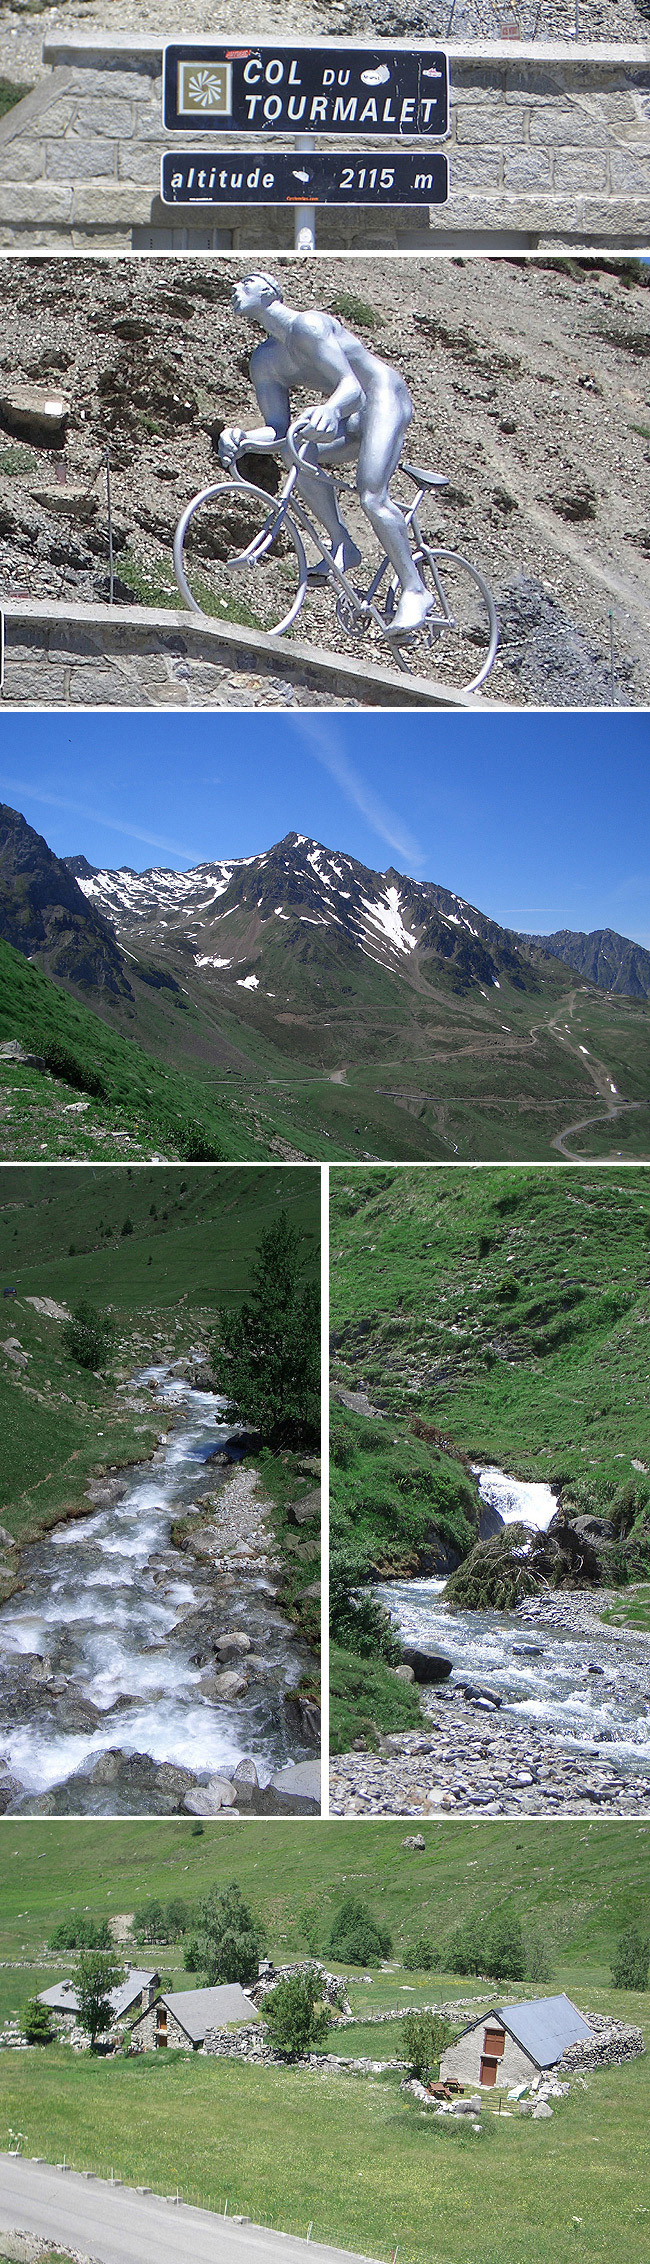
{"x":242,"y":554}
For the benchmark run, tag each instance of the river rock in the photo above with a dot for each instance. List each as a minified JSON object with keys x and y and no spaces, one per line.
{"x":300,"y":1780}
{"x":10,"y":1790}
{"x":227,"y":1646}
{"x":208,"y":1799}
{"x":404,"y":1673}
{"x":230,"y":1685}
{"x":245,"y":1773}
{"x":428,"y":1666}
{"x":304,"y":1713}
{"x":306,"y":1511}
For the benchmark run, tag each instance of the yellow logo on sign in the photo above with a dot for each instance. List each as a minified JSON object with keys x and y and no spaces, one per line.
{"x":204,"y":88}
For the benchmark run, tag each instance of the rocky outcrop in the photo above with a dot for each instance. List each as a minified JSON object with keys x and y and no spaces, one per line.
{"x":44,"y":914}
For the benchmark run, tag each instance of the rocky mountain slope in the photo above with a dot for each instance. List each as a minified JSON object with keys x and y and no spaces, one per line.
{"x":610,"y":960}
{"x":43,"y":912}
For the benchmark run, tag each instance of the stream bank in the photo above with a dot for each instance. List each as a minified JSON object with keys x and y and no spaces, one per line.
{"x":142,"y":1678}
{"x":545,"y":1710}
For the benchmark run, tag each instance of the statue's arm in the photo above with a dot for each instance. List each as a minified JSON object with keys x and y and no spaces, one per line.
{"x":274,"y":402}
{"x":336,"y":372}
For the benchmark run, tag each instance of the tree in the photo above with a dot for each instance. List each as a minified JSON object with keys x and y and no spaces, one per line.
{"x":266,"y":1357}
{"x":424,"y":2036}
{"x":88,"y":1335}
{"x":505,"y":1952}
{"x":37,"y":2023}
{"x":356,"y":1937}
{"x":227,"y":1945}
{"x":177,"y":1916}
{"x":631,"y":1961}
{"x":96,"y":1976}
{"x":420,"y":1955}
{"x":150,"y":1923}
{"x":295,"y":2015}
{"x":78,"y":1932}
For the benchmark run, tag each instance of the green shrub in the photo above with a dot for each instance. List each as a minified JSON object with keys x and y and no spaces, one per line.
{"x":420,"y":1955}
{"x":495,"y":1575}
{"x":631,"y":1961}
{"x":37,"y":2023}
{"x":78,"y":1932}
{"x":356,"y":1937}
{"x":295,"y":2016}
{"x":424,"y":2038}
{"x":266,"y":1356}
{"x":88,"y":1335}
{"x":493,"y":1945}
{"x":227,"y":1944}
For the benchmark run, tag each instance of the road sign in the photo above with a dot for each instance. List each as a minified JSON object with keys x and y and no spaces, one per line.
{"x":317,"y":178}
{"x":313,"y":90}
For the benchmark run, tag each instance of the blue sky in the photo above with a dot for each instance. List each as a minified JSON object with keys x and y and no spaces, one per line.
{"x":543,"y":821}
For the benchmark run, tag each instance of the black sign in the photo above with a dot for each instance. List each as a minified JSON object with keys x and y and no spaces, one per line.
{"x":315,"y":179}
{"x":315,"y":90}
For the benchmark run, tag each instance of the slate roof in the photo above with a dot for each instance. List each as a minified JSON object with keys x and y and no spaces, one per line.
{"x":545,"y":2028}
{"x":199,"y":2009}
{"x":62,"y":1997}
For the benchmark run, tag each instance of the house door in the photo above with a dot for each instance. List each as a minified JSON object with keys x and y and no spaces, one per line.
{"x":488,"y":2069}
{"x":161,"y":2026}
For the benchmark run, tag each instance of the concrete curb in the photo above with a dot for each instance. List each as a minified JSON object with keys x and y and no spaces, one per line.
{"x":100,"y":638}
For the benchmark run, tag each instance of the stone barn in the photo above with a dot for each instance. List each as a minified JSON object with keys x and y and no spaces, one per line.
{"x":514,"y":2043}
{"x":180,"y":2019}
{"x":132,"y":1996}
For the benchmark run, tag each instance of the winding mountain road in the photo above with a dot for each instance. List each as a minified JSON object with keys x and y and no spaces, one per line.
{"x":601,"y":1079}
{"x":116,"y":2224}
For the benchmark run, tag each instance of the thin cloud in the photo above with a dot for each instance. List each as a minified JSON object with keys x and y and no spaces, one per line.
{"x":97,"y":817}
{"x":325,"y":743}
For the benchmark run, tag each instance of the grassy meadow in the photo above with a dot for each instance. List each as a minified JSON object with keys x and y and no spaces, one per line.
{"x":194,"y":1232}
{"x":347,"y":2154}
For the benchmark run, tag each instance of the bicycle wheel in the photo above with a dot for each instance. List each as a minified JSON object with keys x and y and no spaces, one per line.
{"x":238,"y":557}
{"x":457,"y":644}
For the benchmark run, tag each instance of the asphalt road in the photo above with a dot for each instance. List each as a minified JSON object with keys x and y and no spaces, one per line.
{"x":117,"y":2225}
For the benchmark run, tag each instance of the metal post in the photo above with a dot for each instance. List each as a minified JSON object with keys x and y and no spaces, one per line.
{"x":111,"y":576}
{"x":304,"y":220}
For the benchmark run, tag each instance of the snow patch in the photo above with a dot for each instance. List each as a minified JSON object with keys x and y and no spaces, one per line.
{"x":247,"y":982}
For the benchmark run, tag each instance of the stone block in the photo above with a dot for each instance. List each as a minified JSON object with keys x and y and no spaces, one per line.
{"x":106,"y":116}
{"x":22,"y":161}
{"x":141,"y":165}
{"x":36,"y":204}
{"x":33,"y":684}
{"x":103,"y":686}
{"x":626,"y":171}
{"x":567,"y":125}
{"x":477,"y":168}
{"x":577,"y":170}
{"x":56,"y":117}
{"x":491,"y":126}
{"x":95,"y":206}
{"x":79,"y":161}
{"x":527,"y":169}
{"x":147,"y":126}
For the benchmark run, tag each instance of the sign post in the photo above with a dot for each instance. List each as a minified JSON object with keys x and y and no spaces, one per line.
{"x":399,"y":93}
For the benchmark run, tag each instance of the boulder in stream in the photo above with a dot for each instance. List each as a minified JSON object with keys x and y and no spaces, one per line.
{"x":428,"y":1666}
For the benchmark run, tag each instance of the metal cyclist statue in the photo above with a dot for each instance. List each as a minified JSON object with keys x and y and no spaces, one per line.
{"x":366,"y":414}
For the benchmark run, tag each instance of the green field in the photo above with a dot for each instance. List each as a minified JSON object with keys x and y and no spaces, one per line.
{"x":508,"y":1308}
{"x":348,"y":2154}
{"x":195,"y":1234}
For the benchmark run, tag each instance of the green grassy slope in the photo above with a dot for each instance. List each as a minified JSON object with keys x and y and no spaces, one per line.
{"x":348,"y":2156}
{"x":154,"y":1101}
{"x":195,"y":1233}
{"x":509,"y":1308}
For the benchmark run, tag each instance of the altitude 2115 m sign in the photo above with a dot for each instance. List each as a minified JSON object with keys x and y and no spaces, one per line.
{"x":316,"y":90}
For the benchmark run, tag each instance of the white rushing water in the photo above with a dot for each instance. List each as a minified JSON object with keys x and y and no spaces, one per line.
{"x":592,"y":1691}
{"x":519,"y":1501}
{"x":103,"y":1606}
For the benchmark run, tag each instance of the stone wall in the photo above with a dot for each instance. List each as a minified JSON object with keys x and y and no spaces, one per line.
{"x":60,"y":656}
{"x":549,"y":147}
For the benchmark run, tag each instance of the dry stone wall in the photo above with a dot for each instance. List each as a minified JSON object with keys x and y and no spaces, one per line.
{"x":549,"y":147}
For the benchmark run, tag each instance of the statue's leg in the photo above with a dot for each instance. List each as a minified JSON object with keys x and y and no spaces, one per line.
{"x":319,"y":493}
{"x":386,"y":423}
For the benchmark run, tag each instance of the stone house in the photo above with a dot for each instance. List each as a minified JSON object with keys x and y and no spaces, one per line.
{"x":180,"y":2019}
{"x":131,"y":1996}
{"x":514,"y":2043}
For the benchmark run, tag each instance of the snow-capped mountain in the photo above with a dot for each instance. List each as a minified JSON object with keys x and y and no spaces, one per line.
{"x":233,"y":911}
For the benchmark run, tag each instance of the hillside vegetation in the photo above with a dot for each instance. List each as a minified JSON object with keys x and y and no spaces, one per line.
{"x":190,"y":1242}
